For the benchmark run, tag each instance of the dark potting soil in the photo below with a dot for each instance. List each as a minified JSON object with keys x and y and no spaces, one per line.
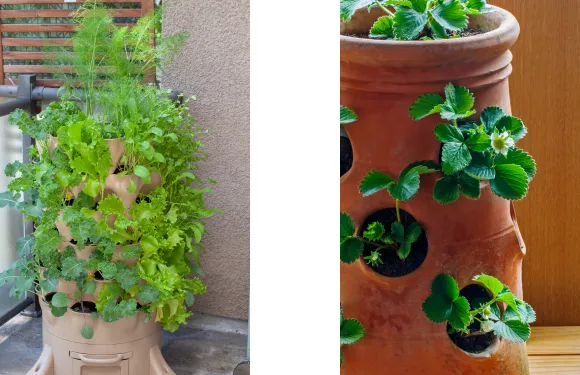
{"x":478,"y":343}
{"x":98,"y":276}
{"x":86,"y":307}
{"x":48,"y":297}
{"x":463,"y":34}
{"x":346,"y":156}
{"x":392,"y":265}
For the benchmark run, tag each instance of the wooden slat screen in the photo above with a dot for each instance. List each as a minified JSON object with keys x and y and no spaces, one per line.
{"x":29,"y":28}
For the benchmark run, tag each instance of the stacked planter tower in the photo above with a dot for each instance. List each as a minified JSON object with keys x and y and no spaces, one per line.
{"x":380,"y":79}
{"x":129,"y":346}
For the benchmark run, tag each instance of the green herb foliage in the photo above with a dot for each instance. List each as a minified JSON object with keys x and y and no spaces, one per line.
{"x":414,"y":19}
{"x":160,"y":231}
{"x":446,"y":305}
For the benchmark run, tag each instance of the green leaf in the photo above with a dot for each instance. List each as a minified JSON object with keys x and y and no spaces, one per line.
{"x":420,"y":5}
{"x":347,"y":226}
{"x":407,"y":186}
{"x":469,"y":186}
{"x":143,"y":172}
{"x":72,"y":268}
{"x":9,"y":199}
{"x":132,"y":188}
{"x":24,"y":245}
{"x":351,"y":331}
{"x":132,"y":252}
{"x":448,"y":133}
{"x":347,"y":116}
{"x":451,"y":15}
{"x":509,"y":298}
{"x":421,"y":167}
{"x":510,"y":182}
{"x":49,"y":285}
{"x":398,"y":232}
{"x":350,"y":250}
{"x":59,"y":300}
{"x":491,"y":283}
{"x":404,"y":250}
{"x":89,"y":286}
{"x":474,"y":5}
{"x":490,"y":116}
{"x":437,"y":308}
{"x":189,"y":299}
{"x":148,"y":294}
{"x":460,"y":317}
{"x":521,"y":158}
{"x":512,"y":330}
{"x":373,"y":182}
{"x":459,"y":103}
{"x":531,"y":314}
{"x":479,"y":142}
{"x":382,"y":28}
{"x":413,"y":232}
{"x":446,"y":190}
{"x":426,"y":105}
{"x":58,"y":311}
{"x":445,"y":285}
{"x":438,"y":31}
{"x":349,"y":7}
{"x":408,"y":23}
{"x":374,"y":231}
{"x":455,"y":157}
{"x":87,"y":332}
{"x":480,"y":168}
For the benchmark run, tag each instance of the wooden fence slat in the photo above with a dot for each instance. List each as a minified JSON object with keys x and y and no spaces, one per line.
{"x":46,"y":82}
{"x":36,"y":69}
{"x":39,"y":27}
{"x":36,"y":42}
{"x":11,"y":55}
{"x":63,"y":13}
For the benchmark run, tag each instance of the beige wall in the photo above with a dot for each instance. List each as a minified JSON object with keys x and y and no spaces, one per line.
{"x":215,"y":66}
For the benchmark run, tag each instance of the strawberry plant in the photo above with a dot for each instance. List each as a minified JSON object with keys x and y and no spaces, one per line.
{"x":413,"y":19}
{"x":446,"y":305}
{"x":351,"y":331}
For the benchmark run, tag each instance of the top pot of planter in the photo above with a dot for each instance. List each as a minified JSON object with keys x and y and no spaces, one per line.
{"x":381,"y":80}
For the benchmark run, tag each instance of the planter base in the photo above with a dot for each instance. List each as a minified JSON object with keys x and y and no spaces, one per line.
{"x":62,"y":357}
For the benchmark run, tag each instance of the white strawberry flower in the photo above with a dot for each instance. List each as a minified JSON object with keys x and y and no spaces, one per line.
{"x":501,"y":143}
{"x":487,"y":326}
{"x":40,"y":117}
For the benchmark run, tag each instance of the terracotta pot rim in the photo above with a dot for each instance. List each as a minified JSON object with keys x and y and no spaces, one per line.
{"x":505,"y":28}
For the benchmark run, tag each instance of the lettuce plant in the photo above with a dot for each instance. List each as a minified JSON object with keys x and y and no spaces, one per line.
{"x":446,"y":305}
{"x":412,"y":19}
{"x":351,"y":331}
{"x":475,"y":151}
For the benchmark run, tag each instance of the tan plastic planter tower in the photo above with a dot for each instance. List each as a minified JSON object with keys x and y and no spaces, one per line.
{"x":379,"y":81}
{"x":129,"y":346}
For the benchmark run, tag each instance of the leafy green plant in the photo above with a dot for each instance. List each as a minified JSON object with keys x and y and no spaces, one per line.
{"x":145,"y":253}
{"x":351,"y":331}
{"x":476,"y":151}
{"x":446,"y":305}
{"x":413,"y":19}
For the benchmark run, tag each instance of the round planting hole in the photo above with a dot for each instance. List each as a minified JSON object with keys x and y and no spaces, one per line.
{"x":48,"y":297}
{"x":478,"y":342}
{"x":392,"y":265}
{"x":86,"y":307}
{"x":346,"y":155}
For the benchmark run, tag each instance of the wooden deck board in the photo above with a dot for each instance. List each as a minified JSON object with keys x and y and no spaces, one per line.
{"x":554,"y":351}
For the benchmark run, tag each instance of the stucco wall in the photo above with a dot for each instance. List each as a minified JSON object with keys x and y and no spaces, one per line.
{"x":215,"y":66}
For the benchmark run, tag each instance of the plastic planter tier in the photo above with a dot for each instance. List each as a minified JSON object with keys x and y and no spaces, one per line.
{"x":380,"y":80}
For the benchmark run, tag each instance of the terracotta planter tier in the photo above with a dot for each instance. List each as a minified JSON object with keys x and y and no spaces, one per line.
{"x":379,"y":81}
{"x":126,"y":347}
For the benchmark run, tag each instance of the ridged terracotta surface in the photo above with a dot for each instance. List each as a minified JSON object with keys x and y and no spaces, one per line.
{"x":379,"y":81}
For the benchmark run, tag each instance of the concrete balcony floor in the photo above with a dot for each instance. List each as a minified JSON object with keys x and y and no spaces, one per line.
{"x":207,"y":345}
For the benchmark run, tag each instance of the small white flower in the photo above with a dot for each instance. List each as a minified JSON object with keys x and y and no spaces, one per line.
{"x":40,"y":117}
{"x":487,"y":326}
{"x":501,"y":143}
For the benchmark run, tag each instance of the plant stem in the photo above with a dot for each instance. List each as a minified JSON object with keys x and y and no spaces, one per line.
{"x":455,"y":122}
{"x":385,"y":9}
{"x":475,"y":312}
{"x":398,"y":212}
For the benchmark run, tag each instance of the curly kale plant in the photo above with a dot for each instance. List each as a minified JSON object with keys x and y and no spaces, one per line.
{"x":483,"y":315}
{"x":475,"y":151}
{"x":412,"y":19}
{"x":351,"y":331}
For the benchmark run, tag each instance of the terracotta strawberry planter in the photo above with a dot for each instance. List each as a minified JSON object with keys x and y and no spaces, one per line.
{"x":379,"y":81}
